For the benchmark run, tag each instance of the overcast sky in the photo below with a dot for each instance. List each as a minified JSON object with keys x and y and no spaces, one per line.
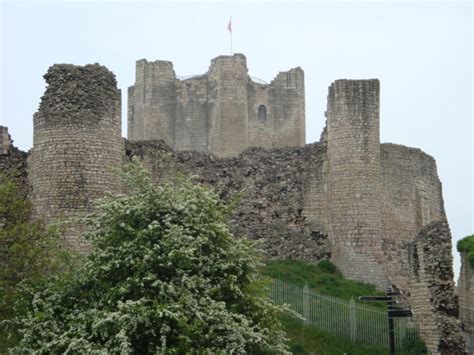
{"x":421,"y":52}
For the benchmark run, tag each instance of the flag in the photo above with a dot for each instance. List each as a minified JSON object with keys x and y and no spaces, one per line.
{"x":229,"y":26}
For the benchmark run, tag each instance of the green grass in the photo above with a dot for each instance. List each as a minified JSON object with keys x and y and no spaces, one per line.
{"x":325,"y":278}
{"x":307,"y":340}
{"x":322,"y":277}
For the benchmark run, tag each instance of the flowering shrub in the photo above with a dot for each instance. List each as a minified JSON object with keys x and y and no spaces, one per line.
{"x":165,"y":276}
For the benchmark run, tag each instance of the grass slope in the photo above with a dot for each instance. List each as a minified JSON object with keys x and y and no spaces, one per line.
{"x":325,"y":278}
{"x":322,"y":277}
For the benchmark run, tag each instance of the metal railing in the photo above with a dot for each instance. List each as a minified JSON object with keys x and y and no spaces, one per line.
{"x":359,"y":323}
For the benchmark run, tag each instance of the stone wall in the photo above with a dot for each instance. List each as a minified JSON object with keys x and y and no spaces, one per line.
{"x":354,"y":189}
{"x":261,"y":129}
{"x":77,"y":139}
{"x":5,"y":141}
{"x":466,"y":301}
{"x":217,"y":112}
{"x":432,"y":296}
{"x":13,"y":162}
{"x":411,"y":199}
{"x":228,"y":122}
{"x":271,"y":185}
{"x":191,"y":130}
{"x":152,"y":105}
{"x":287,"y":101}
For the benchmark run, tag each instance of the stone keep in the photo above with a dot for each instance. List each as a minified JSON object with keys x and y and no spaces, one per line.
{"x":76,"y":143}
{"x":222,"y":111}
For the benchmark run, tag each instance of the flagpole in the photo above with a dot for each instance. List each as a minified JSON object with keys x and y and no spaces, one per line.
{"x":231,"y":51}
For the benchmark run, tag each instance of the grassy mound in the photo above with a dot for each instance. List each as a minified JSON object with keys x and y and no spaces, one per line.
{"x":322,"y":277}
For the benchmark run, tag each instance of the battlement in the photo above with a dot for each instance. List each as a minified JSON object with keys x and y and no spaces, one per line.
{"x":222,"y":111}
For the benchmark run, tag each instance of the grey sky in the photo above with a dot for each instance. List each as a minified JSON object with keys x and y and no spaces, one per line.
{"x":421,"y":52}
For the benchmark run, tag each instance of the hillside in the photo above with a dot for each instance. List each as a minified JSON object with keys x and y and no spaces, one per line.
{"x":325,"y":278}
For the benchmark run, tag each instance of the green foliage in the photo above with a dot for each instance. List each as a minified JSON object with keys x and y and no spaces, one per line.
{"x":323,"y":277}
{"x":466,"y":245}
{"x":165,"y":276}
{"x":327,"y":266}
{"x":27,"y":249}
{"x":413,"y":346}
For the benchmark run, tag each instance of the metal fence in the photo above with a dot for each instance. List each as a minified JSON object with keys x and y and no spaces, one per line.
{"x":359,"y":323}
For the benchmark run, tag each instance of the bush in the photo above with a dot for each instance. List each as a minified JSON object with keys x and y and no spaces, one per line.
{"x":27,"y":248}
{"x":327,"y":266}
{"x":165,"y":276}
{"x":466,"y":245}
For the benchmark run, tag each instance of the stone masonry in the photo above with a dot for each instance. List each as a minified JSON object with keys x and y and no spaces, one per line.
{"x":222,"y":111}
{"x":353,"y":184}
{"x":466,"y":301}
{"x":432,"y":295}
{"x":348,"y":197}
{"x":77,"y":140}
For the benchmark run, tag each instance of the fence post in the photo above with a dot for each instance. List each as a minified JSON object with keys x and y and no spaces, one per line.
{"x":306,"y":313}
{"x":353,"y":320}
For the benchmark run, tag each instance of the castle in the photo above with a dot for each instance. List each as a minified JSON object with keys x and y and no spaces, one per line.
{"x":374,"y":209}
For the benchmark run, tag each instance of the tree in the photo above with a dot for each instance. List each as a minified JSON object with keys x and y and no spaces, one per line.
{"x":466,"y":245}
{"x":165,"y":276}
{"x":27,"y":248}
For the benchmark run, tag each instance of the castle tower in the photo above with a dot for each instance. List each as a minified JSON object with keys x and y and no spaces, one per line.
{"x":287,"y":97}
{"x":152,"y":102}
{"x":76,"y":142}
{"x":353,"y":192}
{"x":228,"y":120}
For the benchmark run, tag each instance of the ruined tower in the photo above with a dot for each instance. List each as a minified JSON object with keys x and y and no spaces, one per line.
{"x":223,"y":111}
{"x":354,"y":190}
{"x":76,"y":142}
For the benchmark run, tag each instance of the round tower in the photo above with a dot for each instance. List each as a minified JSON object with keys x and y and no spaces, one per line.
{"x":76,"y":144}
{"x":354,"y":191}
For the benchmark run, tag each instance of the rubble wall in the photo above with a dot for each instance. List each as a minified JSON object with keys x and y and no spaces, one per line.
{"x":271,"y":185}
{"x":432,"y":295}
{"x":13,"y":162}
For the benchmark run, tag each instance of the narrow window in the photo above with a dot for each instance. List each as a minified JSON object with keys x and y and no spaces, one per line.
{"x":262,"y":113}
